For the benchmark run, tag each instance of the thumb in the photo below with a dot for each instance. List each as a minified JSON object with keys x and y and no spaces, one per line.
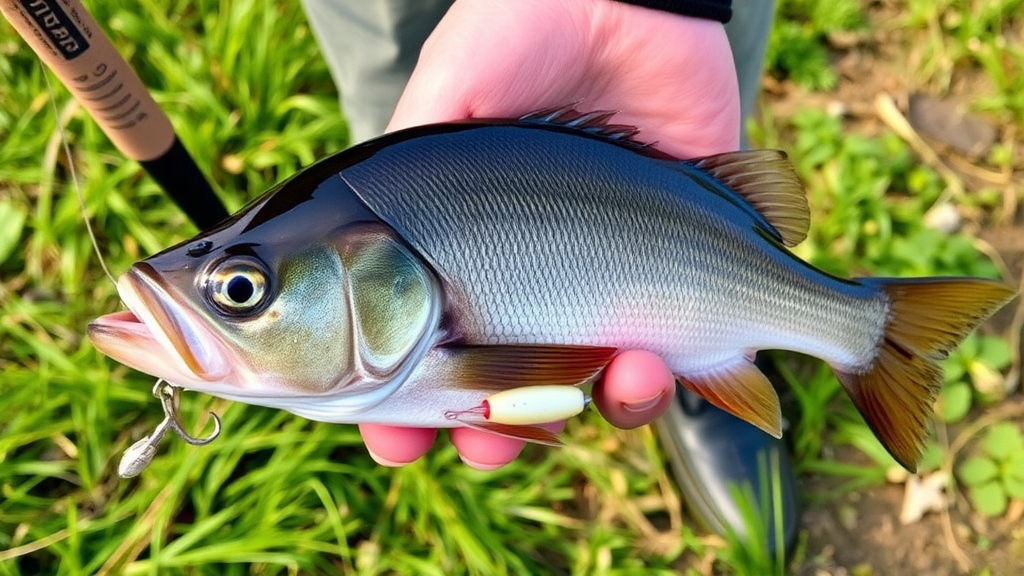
{"x":636,"y":389}
{"x":423,"y":102}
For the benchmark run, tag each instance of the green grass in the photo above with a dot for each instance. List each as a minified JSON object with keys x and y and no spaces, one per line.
{"x":246,"y":88}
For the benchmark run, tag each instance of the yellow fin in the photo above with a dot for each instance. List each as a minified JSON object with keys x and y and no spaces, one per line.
{"x":928,"y":318}
{"x":534,"y":434}
{"x":743,"y":391}
{"x":767,"y":181}
{"x":502,"y":367}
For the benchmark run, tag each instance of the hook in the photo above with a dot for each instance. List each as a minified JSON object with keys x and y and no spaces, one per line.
{"x":168,"y":395}
{"x":138,"y":456}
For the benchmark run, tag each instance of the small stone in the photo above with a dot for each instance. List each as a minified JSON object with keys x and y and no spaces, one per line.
{"x":923,"y":495}
{"x":943,"y":217}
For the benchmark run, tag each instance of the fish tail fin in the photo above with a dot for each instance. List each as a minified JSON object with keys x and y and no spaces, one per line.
{"x":928,"y":318}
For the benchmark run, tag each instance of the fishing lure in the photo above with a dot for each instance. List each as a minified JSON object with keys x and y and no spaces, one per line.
{"x":139,"y":455}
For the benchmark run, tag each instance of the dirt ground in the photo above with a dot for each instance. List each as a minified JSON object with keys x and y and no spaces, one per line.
{"x":860,"y":534}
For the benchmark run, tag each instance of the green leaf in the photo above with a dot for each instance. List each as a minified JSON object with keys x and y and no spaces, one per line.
{"x":1015,"y":466}
{"x":978,"y":470}
{"x":969,"y":347}
{"x":12,"y":221}
{"x":1003,"y":440}
{"x":932,"y":457}
{"x":955,"y":401}
{"x":953,"y":369}
{"x":1014,"y":487}
{"x":989,"y":499}
{"x":995,"y":352}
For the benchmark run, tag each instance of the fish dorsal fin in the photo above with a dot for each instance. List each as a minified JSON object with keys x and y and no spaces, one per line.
{"x":595,"y":123}
{"x":764,"y":178}
{"x":767,"y":181}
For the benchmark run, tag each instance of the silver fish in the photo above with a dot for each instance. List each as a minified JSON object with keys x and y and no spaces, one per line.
{"x":411,"y":279}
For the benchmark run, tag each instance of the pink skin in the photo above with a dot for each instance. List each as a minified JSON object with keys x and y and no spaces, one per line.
{"x":671,"y":76}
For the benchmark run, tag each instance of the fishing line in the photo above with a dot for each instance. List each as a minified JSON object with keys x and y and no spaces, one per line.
{"x":138,"y":456}
{"x":84,"y":59}
{"x":74,"y":176}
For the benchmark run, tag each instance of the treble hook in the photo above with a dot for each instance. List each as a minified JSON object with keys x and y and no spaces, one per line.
{"x":138,"y":456}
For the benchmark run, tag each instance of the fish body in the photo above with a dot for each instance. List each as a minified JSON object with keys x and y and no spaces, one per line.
{"x":592,"y":245}
{"x":405,"y":280}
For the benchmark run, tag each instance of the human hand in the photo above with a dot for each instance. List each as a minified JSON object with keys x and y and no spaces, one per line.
{"x":636,"y":388}
{"x":671,"y":76}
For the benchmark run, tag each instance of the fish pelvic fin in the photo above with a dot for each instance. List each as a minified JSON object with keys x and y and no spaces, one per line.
{"x":768,"y":182}
{"x":741,"y":390}
{"x":928,"y":318}
{"x":534,"y":434}
{"x":506,"y":366}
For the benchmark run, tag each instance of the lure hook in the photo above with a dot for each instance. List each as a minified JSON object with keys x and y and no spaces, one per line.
{"x":168,"y":395}
{"x":138,"y":456}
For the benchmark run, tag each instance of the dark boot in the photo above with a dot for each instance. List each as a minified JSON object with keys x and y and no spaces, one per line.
{"x":711,"y":450}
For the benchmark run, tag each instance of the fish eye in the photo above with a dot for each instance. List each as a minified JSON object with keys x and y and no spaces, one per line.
{"x":238,"y":286}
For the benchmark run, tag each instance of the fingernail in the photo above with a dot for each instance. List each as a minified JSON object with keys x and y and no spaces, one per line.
{"x":384,"y":461}
{"x":479,"y":466}
{"x":644,"y":405}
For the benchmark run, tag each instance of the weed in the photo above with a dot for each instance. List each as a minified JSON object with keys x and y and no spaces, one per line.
{"x":797,"y":46}
{"x":246,"y":88}
{"x":996,"y":474}
{"x":973,"y":374}
{"x":984,"y":35}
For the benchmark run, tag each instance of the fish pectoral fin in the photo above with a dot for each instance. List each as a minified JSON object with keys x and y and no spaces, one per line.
{"x":534,"y":434}
{"x":767,"y":181}
{"x":928,"y":318}
{"x":743,"y":391}
{"x":501,"y":367}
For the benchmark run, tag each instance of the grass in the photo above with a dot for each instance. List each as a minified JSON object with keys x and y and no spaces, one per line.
{"x":276,"y":494}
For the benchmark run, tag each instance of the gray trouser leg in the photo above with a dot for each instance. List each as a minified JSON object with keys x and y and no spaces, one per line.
{"x":748,"y":36}
{"x":371,"y":47}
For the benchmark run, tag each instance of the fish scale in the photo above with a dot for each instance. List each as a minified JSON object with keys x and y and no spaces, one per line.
{"x":578,"y":239}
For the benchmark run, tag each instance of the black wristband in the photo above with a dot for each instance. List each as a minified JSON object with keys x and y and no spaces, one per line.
{"x":720,"y":10}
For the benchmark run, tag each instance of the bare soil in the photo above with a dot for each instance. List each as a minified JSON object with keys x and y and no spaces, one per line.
{"x":860,"y":533}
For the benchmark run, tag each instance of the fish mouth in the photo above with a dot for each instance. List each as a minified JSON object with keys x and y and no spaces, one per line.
{"x":156,"y":335}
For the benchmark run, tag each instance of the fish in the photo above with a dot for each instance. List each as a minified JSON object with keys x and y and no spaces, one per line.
{"x":468,"y":273}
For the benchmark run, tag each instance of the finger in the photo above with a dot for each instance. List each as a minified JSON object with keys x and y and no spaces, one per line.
{"x":435,"y":91}
{"x":421,"y":104}
{"x":636,"y":389}
{"x":486,"y":451}
{"x":530,"y":62}
{"x":394,"y":445}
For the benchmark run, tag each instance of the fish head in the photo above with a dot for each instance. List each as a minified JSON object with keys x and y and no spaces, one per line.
{"x":278,"y":316}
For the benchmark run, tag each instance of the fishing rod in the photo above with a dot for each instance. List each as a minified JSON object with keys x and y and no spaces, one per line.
{"x":67,"y":39}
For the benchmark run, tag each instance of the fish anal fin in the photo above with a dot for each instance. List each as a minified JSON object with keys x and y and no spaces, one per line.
{"x":928,"y":318}
{"x":743,"y":391}
{"x":534,"y":434}
{"x":767,"y":181}
{"x":501,"y":367}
